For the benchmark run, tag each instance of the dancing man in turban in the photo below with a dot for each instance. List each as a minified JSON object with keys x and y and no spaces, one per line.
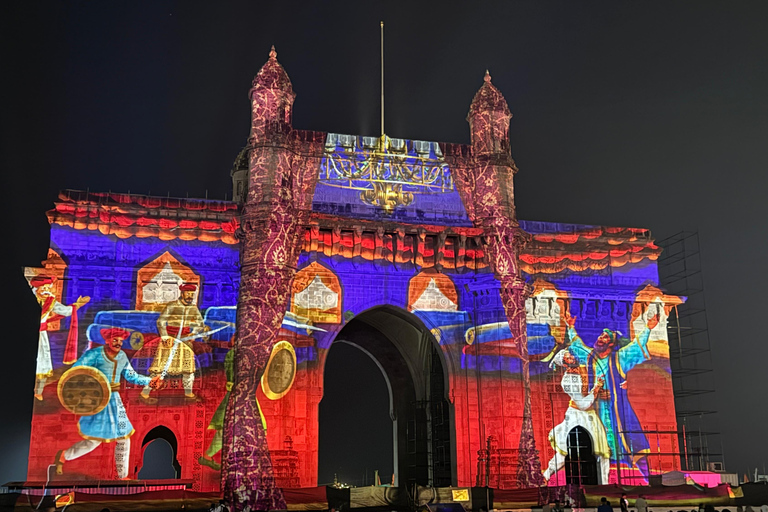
{"x":52,"y":310}
{"x":580,"y":413}
{"x":178,"y":325}
{"x":111,"y":424}
{"x":611,"y":362}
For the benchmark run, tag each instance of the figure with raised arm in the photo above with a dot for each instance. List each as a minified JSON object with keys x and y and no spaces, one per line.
{"x":580,"y":413}
{"x":608,"y":360}
{"x":52,"y":310}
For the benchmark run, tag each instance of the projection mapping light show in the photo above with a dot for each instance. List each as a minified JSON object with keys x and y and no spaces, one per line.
{"x":208,"y":323}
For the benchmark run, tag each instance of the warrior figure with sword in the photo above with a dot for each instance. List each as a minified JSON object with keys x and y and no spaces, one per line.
{"x":109,"y":422}
{"x":178,"y":324}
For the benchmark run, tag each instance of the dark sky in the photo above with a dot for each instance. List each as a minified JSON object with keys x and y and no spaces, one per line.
{"x":651,"y":114}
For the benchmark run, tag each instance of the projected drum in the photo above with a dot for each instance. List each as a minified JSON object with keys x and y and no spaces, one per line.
{"x":280,"y":371}
{"x":84,"y":390}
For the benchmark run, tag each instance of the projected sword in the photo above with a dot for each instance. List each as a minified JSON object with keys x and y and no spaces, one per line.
{"x":207,"y":333}
{"x":177,"y":341}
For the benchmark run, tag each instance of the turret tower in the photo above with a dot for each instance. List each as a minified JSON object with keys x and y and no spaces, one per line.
{"x":280,"y":187}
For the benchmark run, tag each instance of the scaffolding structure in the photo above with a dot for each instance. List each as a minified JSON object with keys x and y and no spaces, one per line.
{"x":690,"y":357}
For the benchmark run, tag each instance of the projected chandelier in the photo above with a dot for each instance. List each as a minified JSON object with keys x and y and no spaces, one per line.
{"x":389,"y":173}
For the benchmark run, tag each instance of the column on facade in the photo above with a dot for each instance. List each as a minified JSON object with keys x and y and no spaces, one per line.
{"x":280,"y":186}
{"x":485,"y":182}
{"x":502,"y":251}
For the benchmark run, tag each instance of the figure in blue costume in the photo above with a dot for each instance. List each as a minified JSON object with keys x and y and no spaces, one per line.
{"x":611,"y":362}
{"x":111,"y":424}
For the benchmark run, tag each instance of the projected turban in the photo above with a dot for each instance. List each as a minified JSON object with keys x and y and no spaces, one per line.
{"x":614,"y":335}
{"x":558,"y":359}
{"x":114,"y":332}
{"x":38,"y":281}
{"x":187,"y":287}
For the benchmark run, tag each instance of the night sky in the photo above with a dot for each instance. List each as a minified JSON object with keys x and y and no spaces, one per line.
{"x":651,"y":114}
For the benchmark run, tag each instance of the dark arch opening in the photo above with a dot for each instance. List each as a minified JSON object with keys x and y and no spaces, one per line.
{"x":581,"y":463}
{"x":354,"y":419}
{"x":404,"y":352}
{"x":158,"y":458}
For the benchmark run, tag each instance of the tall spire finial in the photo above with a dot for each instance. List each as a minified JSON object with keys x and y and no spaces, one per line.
{"x":272,"y":53}
{"x":486,"y":78}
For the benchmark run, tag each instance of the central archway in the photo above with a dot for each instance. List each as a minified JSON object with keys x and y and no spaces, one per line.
{"x":413,"y":366}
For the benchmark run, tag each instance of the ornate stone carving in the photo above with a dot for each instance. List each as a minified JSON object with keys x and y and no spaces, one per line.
{"x":485,"y":184}
{"x":270,"y":248}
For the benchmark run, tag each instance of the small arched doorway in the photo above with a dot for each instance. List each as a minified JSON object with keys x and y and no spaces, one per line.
{"x":413,"y":367}
{"x":580,"y":463}
{"x":158,"y":455}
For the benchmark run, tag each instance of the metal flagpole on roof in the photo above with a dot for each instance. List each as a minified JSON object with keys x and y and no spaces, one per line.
{"x":382,"y":79}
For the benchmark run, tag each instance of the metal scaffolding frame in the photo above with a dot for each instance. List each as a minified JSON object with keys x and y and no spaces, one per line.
{"x":690,"y":357}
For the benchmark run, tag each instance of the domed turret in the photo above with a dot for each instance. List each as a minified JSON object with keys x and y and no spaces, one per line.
{"x":271,"y":98}
{"x":239,"y":175}
{"x":488,"y":118}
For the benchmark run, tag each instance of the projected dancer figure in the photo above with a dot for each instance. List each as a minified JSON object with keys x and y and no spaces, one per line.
{"x":580,"y":413}
{"x":111,"y":424}
{"x":628,"y":444}
{"x":178,"y":324}
{"x":217,"y":422}
{"x":52,"y":310}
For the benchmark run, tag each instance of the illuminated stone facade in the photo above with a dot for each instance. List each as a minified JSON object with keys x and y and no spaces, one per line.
{"x":331,"y":235}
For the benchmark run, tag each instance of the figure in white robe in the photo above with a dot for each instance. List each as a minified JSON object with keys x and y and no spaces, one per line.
{"x":580,"y":413}
{"x":52,"y":310}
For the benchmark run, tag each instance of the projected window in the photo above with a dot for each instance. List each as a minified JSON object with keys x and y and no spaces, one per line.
{"x":159,"y":280}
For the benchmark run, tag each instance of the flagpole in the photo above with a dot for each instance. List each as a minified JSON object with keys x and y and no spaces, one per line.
{"x":382,"y":78}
